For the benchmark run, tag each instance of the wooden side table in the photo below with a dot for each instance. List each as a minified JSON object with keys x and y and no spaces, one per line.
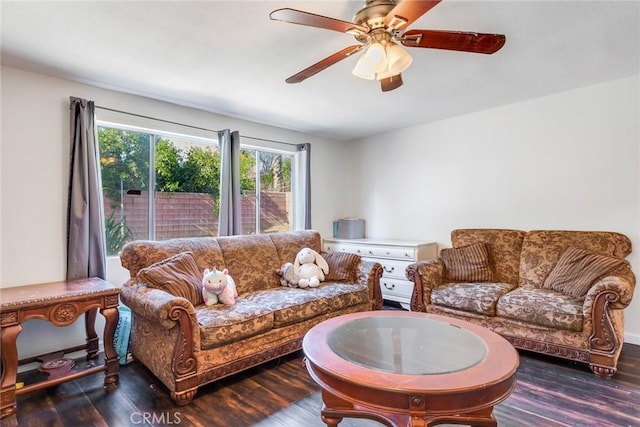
{"x":60,"y":303}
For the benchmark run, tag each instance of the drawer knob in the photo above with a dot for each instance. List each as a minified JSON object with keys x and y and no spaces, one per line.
{"x":370,"y":252}
{"x":388,"y":270}
{"x":389,"y":287}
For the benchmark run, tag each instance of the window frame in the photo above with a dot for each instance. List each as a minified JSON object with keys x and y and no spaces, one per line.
{"x":272,"y":147}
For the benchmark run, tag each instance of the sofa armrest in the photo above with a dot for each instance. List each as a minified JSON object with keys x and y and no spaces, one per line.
{"x":425,"y":275}
{"x":156,"y":305}
{"x":607,"y":294}
{"x":369,"y":273}
{"x":621,"y":286}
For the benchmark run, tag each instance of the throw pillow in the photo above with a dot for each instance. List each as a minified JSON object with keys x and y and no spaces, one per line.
{"x":469,"y":263}
{"x":342,"y":266}
{"x":179,"y":275}
{"x":578,"y":269}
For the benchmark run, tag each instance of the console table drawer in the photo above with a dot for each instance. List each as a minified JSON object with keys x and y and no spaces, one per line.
{"x":395,"y":287}
{"x":366,"y":248}
{"x":393,"y":269}
{"x":395,"y":253}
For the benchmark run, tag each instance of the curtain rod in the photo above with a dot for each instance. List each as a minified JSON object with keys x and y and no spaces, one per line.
{"x":189,"y":126}
{"x":154,"y":118}
{"x":268,"y":140}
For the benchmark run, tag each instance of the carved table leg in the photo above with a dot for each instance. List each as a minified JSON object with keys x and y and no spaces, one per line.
{"x":332,"y":409}
{"x":110,"y":355}
{"x":92,"y":337}
{"x":8,"y":336}
{"x":481,"y":418}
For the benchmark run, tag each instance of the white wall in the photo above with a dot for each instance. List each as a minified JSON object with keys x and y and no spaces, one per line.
{"x":567,"y":161}
{"x":34,"y":169}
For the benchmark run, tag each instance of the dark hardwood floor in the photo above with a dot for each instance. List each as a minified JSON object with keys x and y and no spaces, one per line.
{"x":549,"y":393}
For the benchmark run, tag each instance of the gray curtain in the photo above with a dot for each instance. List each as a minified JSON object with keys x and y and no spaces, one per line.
{"x":305,"y":159}
{"x":86,"y":250}
{"x":229,"y":220}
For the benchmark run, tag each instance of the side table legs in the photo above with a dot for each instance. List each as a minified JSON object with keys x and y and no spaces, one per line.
{"x":8,"y":336}
{"x":92,"y":337}
{"x":110,"y":355}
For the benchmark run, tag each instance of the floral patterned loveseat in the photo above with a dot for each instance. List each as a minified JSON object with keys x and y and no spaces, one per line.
{"x":186,"y":343}
{"x":555,"y":292}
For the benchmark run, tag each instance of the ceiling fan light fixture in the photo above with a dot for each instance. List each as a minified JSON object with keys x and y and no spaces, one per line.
{"x":372,"y":62}
{"x":398,"y":59}
{"x":363,"y":69}
{"x":376,"y":57}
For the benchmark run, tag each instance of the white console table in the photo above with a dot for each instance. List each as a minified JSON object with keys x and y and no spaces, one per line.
{"x":394,"y":255}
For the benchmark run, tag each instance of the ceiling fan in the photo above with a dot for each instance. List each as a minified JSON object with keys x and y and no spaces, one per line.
{"x":379,"y":27}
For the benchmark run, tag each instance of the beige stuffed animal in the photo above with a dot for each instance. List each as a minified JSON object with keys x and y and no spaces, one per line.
{"x":310,"y":268}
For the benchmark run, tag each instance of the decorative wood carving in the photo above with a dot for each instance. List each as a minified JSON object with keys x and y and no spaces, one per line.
{"x":377,"y":293}
{"x":603,"y":338}
{"x":8,"y":318}
{"x":602,"y":371}
{"x":248,"y":362}
{"x":183,"y":398}
{"x":184,"y":362}
{"x":550,"y":349}
{"x":64,"y":314}
{"x":417,"y":302}
{"x":112,"y":301}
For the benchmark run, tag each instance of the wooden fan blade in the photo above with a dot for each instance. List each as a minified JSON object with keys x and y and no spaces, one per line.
{"x":391,"y":83}
{"x":325,"y":63}
{"x":294,"y":16}
{"x":407,"y":11}
{"x":454,"y":40}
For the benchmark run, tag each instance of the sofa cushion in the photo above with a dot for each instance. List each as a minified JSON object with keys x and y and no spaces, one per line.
{"x":504,"y":249}
{"x":577,"y":270}
{"x":467,"y":263}
{"x":179,"y":275}
{"x":292,"y":305}
{"x":343,"y":266}
{"x":542,"y":249}
{"x":252,"y":261}
{"x":221,"y":324}
{"x":139,"y":254}
{"x":289,"y":243}
{"x":472,"y":297}
{"x":542,"y":307}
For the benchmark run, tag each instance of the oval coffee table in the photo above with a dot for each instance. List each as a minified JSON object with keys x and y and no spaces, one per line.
{"x":404,"y":368}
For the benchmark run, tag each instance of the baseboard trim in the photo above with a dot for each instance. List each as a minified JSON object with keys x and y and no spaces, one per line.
{"x":632,"y":338}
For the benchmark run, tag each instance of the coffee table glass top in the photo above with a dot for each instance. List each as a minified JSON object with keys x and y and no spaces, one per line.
{"x":405,"y":345}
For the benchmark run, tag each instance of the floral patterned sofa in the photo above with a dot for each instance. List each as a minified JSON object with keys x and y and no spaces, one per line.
{"x":555,"y":292}
{"x":186,"y":343}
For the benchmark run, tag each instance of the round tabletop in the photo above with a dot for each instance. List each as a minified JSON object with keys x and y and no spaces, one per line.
{"x":409,"y":352}
{"x":405,"y":345}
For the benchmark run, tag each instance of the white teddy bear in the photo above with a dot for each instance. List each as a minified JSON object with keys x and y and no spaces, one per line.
{"x":310,"y":268}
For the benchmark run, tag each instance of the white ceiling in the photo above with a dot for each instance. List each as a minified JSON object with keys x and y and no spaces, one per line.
{"x":228,"y":57}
